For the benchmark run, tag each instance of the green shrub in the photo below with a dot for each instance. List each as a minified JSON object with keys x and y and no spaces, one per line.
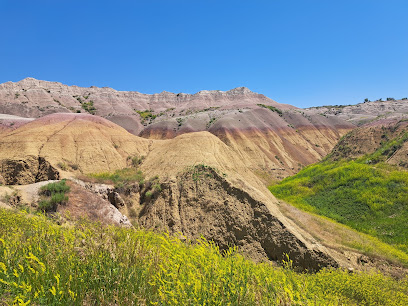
{"x":52,"y":188}
{"x":62,"y":166}
{"x":136,"y":160}
{"x":147,"y":115}
{"x":89,"y":107}
{"x":53,"y":194}
{"x":272,"y":108}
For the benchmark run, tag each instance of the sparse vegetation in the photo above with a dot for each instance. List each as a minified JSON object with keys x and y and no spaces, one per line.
{"x":387,"y":149}
{"x":43,"y":263}
{"x":119,"y":178}
{"x":74,"y":166}
{"x":180,"y":121}
{"x":212,"y":120}
{"x":89,"y":107}
{"x":200,"y":171}
{"x":272,"y":108}
{"x":147,"y":115}
{"x":135,"y":160}
{"x":10,"y":198}
{"x":63,"y":166}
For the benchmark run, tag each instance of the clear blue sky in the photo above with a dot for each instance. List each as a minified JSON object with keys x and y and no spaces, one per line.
{"x":302,"y":52}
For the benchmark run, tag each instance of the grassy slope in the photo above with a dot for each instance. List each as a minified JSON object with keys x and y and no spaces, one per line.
{"x":366,"y":194}
{"x":48,"y":264}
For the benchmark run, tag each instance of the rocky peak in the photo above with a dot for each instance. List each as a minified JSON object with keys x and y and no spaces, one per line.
{"x":240,"y":91}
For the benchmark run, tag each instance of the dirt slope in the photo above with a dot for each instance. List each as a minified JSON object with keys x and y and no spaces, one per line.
{"x":370,"y":137}
{"x":10,"y":122}
{"x":86,"y":142}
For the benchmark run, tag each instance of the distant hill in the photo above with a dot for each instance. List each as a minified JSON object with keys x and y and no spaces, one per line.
{"x":275,"y":140}
{"x":366,"y":112}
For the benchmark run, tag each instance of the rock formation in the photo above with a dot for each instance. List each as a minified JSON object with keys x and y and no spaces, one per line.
{"x":277,"y":139}
{"x":207,"y":188}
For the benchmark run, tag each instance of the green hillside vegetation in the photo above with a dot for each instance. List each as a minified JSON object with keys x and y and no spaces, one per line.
{"x":52,"y":195}
{"x":42,"y":263}
{"x":118,"y":177}
{"x":366,"y":194}
{"x":272,"y":108}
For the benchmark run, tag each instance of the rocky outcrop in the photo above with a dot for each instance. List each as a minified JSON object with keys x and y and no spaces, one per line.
{"x":83,"y":203}
{"x":30,"y":170}
{"x":203,"y":203}
{"x":106,"y":192}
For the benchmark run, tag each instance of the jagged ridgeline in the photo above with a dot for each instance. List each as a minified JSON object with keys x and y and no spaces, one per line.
{"x":275,"y":140}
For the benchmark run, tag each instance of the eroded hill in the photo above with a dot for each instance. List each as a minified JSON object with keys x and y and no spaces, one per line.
{"x":366,"y":112}
{"x":205,"y":185}
{"x":276,"y":140}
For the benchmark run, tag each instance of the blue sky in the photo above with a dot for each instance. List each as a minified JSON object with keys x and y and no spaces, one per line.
{"x":304,"y":52}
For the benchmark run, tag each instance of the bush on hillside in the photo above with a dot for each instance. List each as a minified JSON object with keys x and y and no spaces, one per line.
{"x":53,"y":194}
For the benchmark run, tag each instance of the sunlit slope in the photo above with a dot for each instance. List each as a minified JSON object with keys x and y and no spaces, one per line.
{"x":89,"y":142}
{"x":43,"y":263}
{"x":365,"y":194}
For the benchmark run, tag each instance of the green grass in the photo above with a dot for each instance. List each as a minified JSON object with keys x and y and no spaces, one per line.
{"x":52,"y":195}
{"x":370,"y":199}
{"x":42,"y":263}
{"x":57,"y":187}
{"x":119,"y":177}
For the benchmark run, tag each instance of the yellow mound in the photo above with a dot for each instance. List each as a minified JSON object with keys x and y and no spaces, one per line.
{"x":88,"y":142}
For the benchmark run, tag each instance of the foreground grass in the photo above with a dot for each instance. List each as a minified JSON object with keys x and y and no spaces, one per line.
{"x":43,"y":263}
{"x":372,"y":199}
